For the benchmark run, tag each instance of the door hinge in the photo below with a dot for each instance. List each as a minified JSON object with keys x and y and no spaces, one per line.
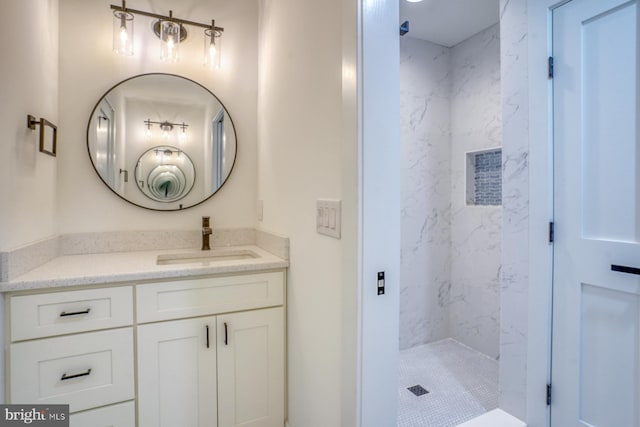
{"x":548,"y":394}
{"x":551,"y":232}
{"x":550,"y":67}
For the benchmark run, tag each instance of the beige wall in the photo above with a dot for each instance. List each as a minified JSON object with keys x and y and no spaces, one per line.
{"x":28,"y":85}
{"x":300,"y":159}
{"x":89,"y":67}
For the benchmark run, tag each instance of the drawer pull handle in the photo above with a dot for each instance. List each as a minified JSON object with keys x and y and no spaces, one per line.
{"x":207,"y":336}
{"x":226,"y":335}
{"x":70,"y":377}
{"x":625,"y":269}
{"x":75,"y":313}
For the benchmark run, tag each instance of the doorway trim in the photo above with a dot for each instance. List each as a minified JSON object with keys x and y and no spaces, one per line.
{"x":540,"y":305}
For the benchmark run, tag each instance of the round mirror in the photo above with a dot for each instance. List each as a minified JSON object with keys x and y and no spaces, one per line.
{"x":161,"y":141}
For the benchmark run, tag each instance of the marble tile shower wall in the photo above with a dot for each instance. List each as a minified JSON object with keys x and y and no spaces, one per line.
{"x":476,"y":124}
{"x":425,"y":85}
{"x":450,"y":104}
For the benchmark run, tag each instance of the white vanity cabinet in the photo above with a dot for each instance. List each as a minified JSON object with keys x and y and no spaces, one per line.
{"x":73,"y":347}
{"x":251,"y":368}
{"x":177,"y":373}
{"x":225,"y":369}
{"x":207,"y":351}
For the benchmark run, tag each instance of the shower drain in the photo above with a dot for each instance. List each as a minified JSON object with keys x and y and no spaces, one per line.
{"x":418,"y":390}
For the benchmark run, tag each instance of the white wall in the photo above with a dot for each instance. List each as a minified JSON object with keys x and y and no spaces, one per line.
{"x":425,"y":127}
{"x":89,"y":67}
{"x":476,"y":124}
{"x":299,"y":161}
{"x":29,"y":85}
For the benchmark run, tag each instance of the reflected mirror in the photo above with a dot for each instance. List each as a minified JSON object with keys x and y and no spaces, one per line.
{"x":161,"y":141}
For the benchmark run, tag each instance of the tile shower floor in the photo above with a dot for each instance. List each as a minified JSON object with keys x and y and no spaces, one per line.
{"x":462,"y":383}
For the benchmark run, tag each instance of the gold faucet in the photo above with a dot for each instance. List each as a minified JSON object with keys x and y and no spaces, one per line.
{"x":206,"y":232}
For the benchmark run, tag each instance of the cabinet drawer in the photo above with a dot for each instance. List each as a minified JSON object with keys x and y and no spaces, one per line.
{"x":200,"y":297}
{"x":58,"y":313}
{"x":121,"y":415}
{"x":84,"y":370}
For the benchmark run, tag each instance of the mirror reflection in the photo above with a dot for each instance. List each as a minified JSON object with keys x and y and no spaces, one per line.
{"x":161,"y":141}
{"x":165,"y":174}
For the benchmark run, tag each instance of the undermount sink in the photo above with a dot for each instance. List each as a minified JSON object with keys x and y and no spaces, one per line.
{"x":205,"y":257}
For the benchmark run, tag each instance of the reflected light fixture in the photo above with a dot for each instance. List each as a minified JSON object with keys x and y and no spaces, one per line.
{"x":183,"y":132}
{"x":166,"y":127}
{"x":147,"y":132}
{"x":170,"y":30}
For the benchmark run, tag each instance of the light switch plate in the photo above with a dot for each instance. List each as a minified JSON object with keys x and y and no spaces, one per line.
{"x":329,"y":217}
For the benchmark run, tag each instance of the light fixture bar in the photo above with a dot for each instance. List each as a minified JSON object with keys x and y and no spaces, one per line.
{"x":171,"y":18}
{"x":182,"y":125}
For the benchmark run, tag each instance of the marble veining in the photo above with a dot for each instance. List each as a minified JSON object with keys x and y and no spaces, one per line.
{"x":515,"y":193}
{"x":451,"y":252}
{"x":425,"y":83}
{"x":476,"y":124}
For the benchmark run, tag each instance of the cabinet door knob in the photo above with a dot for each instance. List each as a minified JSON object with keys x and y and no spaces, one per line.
{"x":70,"y":377}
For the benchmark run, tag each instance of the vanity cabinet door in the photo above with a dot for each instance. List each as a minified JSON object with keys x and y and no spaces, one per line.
{"x":177,"y":373}
{"x":251,"y":368}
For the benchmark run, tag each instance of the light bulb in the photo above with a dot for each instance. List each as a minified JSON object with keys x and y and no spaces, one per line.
{"x":123,"y":32}
{"x":123,"y":36}
{"x":148,"y":133}
{"x":212,"y":48}
{"x":170,"y":45}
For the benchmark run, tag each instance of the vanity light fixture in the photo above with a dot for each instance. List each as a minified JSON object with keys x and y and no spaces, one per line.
{"x":170,"y":30}
{"x":170,"y":38}
{"x":212,"y":47}
{"x":123,"y":31}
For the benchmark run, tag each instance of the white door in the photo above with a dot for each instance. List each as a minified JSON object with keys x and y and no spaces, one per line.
{"x":177,"y":373}
{"x":596,"y":314}
{"x":251,"y":369}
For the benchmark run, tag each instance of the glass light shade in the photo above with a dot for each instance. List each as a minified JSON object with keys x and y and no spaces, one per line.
{"x":122,"y":32}
{"x":169,"y":41}
{"x":212,"y":48}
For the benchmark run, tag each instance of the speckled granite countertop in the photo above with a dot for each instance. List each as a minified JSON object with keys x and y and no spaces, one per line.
{"x":131,"y":267}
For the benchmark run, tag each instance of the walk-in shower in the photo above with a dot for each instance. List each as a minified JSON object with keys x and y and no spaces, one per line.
{"x":451,"y":217}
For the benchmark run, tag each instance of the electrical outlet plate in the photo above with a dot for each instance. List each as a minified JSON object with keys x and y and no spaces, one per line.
{"x":329,"y":217}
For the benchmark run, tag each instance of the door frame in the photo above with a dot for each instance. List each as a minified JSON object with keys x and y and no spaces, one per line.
{"x":540,"y":35}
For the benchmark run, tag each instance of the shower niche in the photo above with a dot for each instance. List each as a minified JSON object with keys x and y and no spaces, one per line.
{"x":484,"y":178}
